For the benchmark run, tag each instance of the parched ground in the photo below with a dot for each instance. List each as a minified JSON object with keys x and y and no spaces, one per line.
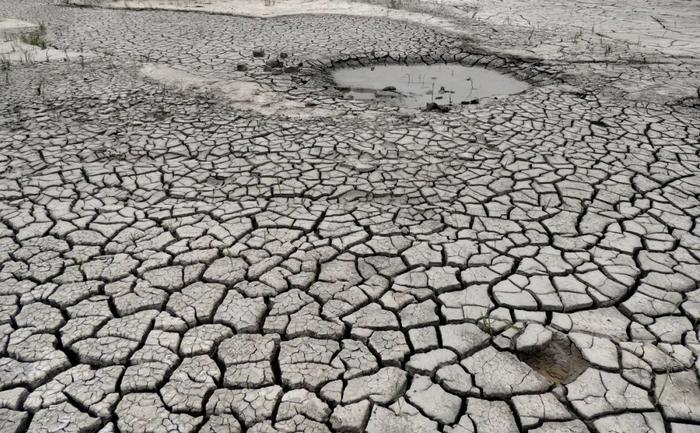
{"x":186,"y":246}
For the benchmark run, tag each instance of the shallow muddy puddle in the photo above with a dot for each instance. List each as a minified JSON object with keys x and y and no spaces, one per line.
{"x":416,"y":85}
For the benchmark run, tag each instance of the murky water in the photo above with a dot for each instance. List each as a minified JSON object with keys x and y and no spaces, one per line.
{"x":416,"y":85}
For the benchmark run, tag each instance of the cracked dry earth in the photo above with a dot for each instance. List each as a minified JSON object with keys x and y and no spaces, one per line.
{"x":173,"y":262}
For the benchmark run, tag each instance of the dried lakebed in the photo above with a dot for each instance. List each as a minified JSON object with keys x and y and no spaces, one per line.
{"x":416,"y":85}
{"x":200,"y":234}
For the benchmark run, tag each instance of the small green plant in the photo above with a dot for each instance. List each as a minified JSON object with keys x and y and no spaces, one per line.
{"x":493,"y":326}
{"x":36,"y":37}
{"x":5,"y":67}
{"x":486,"y":325}
{"x":669,"y":357}
{"x":663,"y":387}
{"x":669,"y":369}
{"x":529,"y":36}
{"x":40,"y":89}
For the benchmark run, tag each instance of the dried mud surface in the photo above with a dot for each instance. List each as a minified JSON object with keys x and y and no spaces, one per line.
{"x":197,"y":239}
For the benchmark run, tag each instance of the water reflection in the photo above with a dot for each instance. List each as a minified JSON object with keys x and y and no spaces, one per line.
{"x":416,"y":85}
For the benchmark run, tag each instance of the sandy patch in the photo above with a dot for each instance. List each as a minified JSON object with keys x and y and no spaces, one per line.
{"x":277,"y":8}
{"x":654,"y":26}
{"x":11,"y":25}
{"x":239,"y":93}
{"x":14,"y":50}
{"x":19,"y":52}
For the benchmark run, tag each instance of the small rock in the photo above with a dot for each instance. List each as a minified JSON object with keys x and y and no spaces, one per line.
{"x":258,"y":52}
{"x":435,"y":107}
{"x":274,"y":63}
{"x":242,"y":67}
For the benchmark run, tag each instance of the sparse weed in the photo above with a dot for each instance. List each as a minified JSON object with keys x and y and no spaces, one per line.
{"x":40,"y":89}
{"x":669,"y":369}
{"x":663,"y":387}
{"x":5,"y":67}
{"x":486,"y":324}
{"x":111,"y":154}
{"x":529,"y":36}
{"x":578,"y":35}
{"x":495,"y":326}
{"x":36,"y":37}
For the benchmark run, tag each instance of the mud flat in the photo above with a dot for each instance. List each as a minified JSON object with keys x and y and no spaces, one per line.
{"x":201,"y":231}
